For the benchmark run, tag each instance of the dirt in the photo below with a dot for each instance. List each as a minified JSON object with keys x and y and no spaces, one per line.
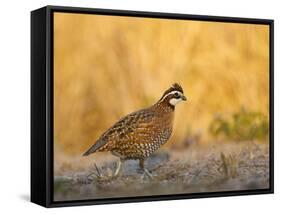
{"x":197,"y":168}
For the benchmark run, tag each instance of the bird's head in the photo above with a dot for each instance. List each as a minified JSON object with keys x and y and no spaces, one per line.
{"x":173,"y":95}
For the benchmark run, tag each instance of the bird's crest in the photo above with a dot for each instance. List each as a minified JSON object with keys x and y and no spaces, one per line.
{"x":174,"y":87}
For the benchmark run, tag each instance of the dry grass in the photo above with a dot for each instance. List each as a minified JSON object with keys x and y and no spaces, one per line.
{"x":198,"y":168}
{"x":107,"y":67}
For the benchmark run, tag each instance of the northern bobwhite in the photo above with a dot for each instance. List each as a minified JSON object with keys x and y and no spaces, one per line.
{"x":139,"y":134}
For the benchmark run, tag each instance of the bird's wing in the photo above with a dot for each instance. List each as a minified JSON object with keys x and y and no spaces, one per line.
{"x":125,"y":127}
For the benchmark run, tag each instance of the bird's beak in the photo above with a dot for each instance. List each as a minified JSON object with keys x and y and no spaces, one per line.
{"x":183,"y":98}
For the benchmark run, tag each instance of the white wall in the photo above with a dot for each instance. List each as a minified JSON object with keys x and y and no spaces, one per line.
{"x":15,"y":107}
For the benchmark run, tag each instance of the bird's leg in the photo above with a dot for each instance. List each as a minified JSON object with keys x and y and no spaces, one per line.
{"x":146,"y":172}
{"x":118,"y":168}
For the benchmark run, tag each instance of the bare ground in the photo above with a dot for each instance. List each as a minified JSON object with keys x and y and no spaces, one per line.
{"x":208,"y":168}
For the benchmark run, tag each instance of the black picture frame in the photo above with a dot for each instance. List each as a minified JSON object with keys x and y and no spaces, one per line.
{"x":42,"y":104}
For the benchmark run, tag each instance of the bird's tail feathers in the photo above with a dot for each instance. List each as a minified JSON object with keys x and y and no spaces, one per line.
{"x":100,"y":143}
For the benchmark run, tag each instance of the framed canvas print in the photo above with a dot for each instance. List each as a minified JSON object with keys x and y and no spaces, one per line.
{"x":131,"y":106}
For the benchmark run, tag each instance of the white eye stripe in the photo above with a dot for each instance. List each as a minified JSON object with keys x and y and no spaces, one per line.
{"x":172,"y":92}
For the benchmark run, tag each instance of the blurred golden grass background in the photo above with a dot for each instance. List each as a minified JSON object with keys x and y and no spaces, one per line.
{"x":106,"y":67}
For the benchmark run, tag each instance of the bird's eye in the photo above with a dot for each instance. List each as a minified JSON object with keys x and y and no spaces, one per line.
{"x":177,"y":94}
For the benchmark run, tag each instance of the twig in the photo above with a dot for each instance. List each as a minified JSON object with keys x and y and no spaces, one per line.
{"x":98,"y":171}
{"x":92,"y":173}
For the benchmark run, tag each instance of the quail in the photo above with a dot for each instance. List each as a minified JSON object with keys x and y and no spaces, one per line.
{"x":137,"y":135}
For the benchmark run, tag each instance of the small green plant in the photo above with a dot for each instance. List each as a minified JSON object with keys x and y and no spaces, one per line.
{"x":59,"y":185}
{"x":241,"y":125}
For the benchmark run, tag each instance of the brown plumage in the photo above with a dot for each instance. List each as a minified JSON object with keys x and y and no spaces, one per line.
{"x":139,"y":134}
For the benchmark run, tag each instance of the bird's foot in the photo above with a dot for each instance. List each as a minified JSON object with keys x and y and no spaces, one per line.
{"x":146,"y":174}
{"x":144,"y":170}
{"x":115,"y":176}
{"x":118,"y":170}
